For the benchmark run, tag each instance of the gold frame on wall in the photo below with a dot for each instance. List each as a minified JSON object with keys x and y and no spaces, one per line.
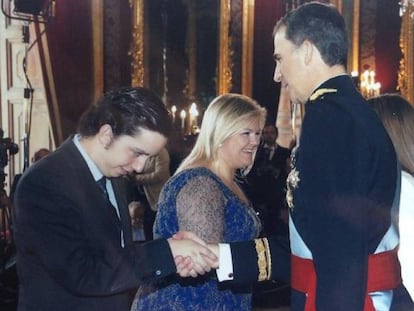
{"x":137,"y":45}
{"x":247,"y":47}
{"x":97,"y":32}
{"x":405,"y":72}
{"x":353,"y":58}
{"x":224,"y":75}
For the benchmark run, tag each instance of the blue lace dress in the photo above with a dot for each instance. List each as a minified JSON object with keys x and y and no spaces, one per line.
{"x":197,"y":200}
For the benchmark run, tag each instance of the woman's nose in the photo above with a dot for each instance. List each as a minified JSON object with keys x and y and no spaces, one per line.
{"x":255,"y":140}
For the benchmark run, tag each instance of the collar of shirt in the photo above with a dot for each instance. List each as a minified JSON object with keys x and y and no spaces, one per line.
{"x":96,"y":173}
{"x":270,"y":147}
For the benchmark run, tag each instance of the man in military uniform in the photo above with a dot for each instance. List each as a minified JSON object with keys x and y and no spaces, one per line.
{"x":342,"y":185}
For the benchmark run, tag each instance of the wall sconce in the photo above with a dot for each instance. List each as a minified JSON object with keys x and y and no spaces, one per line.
{"x":405,"y":6}
{"x":173,"y":111}
{"x":193,"y":115}
{"x":182,"y":116}
{"x":368,"y":86}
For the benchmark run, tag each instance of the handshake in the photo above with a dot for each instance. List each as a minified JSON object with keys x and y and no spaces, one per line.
{"x":192,"y":255}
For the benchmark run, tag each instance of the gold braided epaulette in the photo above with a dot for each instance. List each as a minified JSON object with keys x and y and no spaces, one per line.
{"x":264,"y":259}
{"x":320,"y":92}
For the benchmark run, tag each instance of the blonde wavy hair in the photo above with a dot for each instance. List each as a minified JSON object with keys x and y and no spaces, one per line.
{"x":225,"y":116}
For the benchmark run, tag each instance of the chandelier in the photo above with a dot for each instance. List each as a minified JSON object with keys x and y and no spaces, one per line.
{"x":405,"y":6}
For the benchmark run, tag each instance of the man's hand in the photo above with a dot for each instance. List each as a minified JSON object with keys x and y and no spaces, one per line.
{"x":216,"y":251}
{"x":214,"y":248}
{"x":187,"y":266}
{"x":191,"y":257}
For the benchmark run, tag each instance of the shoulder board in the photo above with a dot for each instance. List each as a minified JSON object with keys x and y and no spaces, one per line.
{"x":320,"y":92}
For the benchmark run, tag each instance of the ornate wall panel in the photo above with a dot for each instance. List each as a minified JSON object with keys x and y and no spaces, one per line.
{"x":98,"y":39}
{"x":236,"y":46}
{"x":225,"y":64}
{"x":406,"y":71}
{"x":175,"y":49}
{"x":367,"y":35}
{"x":247,"y":46}
{"x":116,"y":29}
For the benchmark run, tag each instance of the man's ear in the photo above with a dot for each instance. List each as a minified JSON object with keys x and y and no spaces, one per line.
{"x":105,"y":135}
{"x":308,"y":50}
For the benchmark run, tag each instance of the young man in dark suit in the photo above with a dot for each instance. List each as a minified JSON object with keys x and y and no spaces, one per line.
{"x":71,"y":222}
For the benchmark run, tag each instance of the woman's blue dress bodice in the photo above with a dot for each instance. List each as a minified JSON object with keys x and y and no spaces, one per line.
{"x":204,"y":292}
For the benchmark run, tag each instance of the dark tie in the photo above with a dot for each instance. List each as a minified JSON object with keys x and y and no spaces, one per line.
{"x":102,"y":186}
{"x":267,"y":152}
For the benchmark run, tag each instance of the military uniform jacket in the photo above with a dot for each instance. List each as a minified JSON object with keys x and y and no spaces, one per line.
{"x":345,"y":181}
{"x":69,"y":255}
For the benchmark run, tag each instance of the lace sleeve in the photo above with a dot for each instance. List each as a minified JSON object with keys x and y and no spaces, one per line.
{"x":200,"y":209}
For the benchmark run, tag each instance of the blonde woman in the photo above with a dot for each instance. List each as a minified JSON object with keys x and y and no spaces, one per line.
{"x":204,"y":197}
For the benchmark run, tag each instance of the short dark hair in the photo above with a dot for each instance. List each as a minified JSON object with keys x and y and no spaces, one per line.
{"x":322,"y":25}
{"x":42,"y":152}
{"x":127,"y":110}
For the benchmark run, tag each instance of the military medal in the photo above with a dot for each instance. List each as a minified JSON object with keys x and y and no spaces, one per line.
{"x":292,"y":183}
{"x":293,"y":179}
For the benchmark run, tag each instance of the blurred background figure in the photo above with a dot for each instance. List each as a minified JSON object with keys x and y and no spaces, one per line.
{"x":42,"y":152}
{"x":150,"y":182}
{"x":137,"y":212}
{"x":266,"y":183}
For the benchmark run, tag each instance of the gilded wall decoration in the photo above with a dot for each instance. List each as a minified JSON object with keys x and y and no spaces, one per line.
{"x":405,"y":73}
{"x":367,"y":35}
{"x":225,"y":77}
{"x":175,"y":49}
{"x":232,"y":48}
{"x":137,"y":43}
{"x":236,"y":27}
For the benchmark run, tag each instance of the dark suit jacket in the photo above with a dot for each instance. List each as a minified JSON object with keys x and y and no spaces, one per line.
{"x":266,"y":182}
{"x":68,"y":245}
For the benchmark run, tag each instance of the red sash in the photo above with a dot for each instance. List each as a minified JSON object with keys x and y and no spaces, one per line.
{"x":383,"y":274}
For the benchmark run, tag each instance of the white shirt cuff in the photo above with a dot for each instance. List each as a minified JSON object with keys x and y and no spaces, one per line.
{"x":225,"y":270}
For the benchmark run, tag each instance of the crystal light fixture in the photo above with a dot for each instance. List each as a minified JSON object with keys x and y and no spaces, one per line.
{"x":405,"y":6}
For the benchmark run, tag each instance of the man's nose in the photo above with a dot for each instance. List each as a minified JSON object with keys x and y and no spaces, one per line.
{"x":277,"y":77}
{"x":139,"y":163}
